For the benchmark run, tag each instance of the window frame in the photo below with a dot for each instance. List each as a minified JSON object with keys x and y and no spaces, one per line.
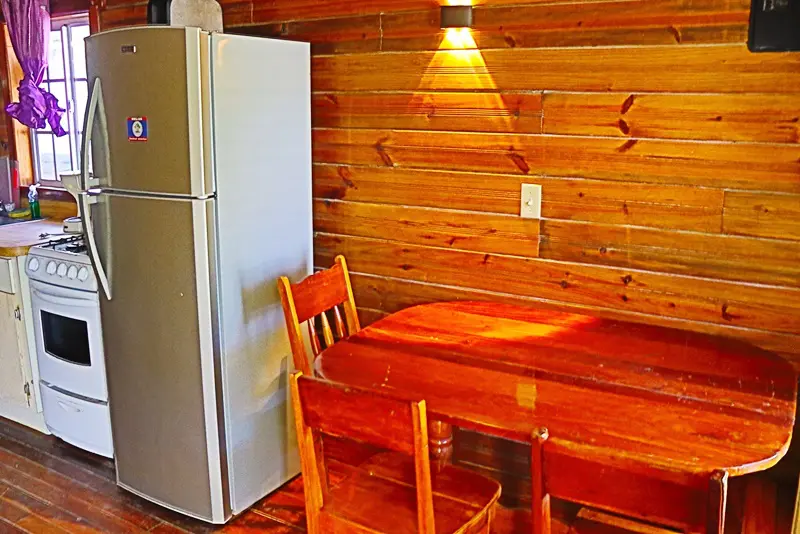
{"x":70,"y":82}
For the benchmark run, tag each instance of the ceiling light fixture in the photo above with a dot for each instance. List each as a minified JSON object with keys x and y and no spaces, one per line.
{"x":456,"y":17}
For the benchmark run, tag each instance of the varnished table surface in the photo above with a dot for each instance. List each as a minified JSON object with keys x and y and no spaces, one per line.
{"x":617,"y":394}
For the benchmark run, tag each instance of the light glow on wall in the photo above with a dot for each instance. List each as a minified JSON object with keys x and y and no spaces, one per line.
{"x":458,"y":39}
{"x":459,"y":66}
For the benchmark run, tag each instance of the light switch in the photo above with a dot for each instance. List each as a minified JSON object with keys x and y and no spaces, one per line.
{"x":531,"y":201}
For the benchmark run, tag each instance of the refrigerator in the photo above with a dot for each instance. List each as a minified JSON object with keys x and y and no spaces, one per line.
{"x":196,"y":196}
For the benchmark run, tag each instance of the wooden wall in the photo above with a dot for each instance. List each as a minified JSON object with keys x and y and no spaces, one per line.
{"x":668,"y":156}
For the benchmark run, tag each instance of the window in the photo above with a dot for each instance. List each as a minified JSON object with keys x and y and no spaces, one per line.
{"x":66,"y":79}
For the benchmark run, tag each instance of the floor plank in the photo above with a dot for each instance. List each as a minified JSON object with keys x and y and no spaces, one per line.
{"x":64,"y":519}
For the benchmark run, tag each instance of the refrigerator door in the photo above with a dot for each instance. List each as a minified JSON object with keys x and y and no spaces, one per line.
{"x":261,"y":235}
{"x":155,"y":95}
{"x":158,"y":336}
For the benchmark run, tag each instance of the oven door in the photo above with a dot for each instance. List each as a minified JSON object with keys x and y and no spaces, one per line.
{"x":69,"y":342}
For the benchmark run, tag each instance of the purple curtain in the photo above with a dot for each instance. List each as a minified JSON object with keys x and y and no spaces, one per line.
{"x":29,"y":26}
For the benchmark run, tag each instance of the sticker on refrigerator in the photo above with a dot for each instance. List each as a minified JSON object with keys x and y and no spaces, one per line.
{"x":137,"y":128}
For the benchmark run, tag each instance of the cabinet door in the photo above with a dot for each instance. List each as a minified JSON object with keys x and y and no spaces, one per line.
{"x":12,"y":375}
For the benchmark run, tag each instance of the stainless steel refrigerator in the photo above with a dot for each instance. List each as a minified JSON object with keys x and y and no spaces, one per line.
{"x":199,"y":198}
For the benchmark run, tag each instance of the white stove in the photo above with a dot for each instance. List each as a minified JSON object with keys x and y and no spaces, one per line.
{"x":64,"y":263}
{"x":69,"y":344}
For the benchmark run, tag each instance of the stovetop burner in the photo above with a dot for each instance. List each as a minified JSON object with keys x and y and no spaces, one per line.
{"x":72,"y":245}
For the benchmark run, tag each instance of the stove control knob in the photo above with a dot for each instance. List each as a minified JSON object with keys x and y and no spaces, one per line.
{"x":51,"y":267}
{"x":72,"y":272}
{"x":62,"y":270}
{"x":33,"y":265}
{"x":83,"y":274}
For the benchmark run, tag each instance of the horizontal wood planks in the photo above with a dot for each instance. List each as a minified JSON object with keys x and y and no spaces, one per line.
{"x":722,"y":69}
{"x":743,"y":117}
{"x":667,"y":152}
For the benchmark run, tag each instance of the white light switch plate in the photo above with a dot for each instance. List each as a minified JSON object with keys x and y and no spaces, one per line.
{"x":531,"y":206}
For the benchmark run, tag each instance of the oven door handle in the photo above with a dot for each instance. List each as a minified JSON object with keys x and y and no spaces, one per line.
{"x":61,"y":301}
{"x":69,"y":407}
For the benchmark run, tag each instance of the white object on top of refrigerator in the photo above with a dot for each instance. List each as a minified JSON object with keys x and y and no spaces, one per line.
{"x":200,"y":198}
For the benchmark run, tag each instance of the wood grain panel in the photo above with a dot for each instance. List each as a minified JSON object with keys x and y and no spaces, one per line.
{"x":287,"y":10}
{"x":656,"y":161}
{"x":666,"y":22}
{"x":389,"y":295}
{"x":659,"y":22}
{"x":327,"y":36}
{"x":664,"y":206}
{"x":761,"y":118}
{"x":68,"y":7}
{"x":635,"y":291}
{"x":497,"y":193}
{"x":762,"y":214}
{"x":479,"y":112}
{"x":722,"y":257}
{"x":501,"y":234}
{"x":120,"y":14}
{"x":722,"y":69}
{"x":120,"y":17}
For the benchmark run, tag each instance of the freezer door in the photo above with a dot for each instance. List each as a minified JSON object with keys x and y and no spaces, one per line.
{"x":160,"y":361}
{"x":154,"y":94}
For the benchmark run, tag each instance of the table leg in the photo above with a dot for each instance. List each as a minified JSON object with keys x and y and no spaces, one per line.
{"x":718,"y":499}
{"x":440,"y":443}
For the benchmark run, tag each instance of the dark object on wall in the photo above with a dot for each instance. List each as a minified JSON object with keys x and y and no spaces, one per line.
{"x":158,"y":11}
{"x":774,"y":26}
{"x":456,"y":17}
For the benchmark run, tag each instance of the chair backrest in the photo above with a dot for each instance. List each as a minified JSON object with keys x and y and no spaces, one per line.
{"x":369,"y":416}
{"x":315,"y":298}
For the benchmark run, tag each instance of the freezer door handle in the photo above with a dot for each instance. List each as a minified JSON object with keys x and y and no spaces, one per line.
{"x":95,"y":105}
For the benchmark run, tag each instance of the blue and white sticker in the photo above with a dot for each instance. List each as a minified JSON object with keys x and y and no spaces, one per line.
{"x":137,"y":128}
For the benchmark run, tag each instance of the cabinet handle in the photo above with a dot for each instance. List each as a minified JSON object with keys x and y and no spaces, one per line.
{"x":17,"y":314}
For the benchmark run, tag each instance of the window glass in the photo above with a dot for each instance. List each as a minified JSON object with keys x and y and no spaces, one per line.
{"x":65,"y":78}
{"x":45,"y":157}
{"x":81,"y":96}
{"x":63,"y":155}
{"x":55,"y":59}
{"x":79,"y":33}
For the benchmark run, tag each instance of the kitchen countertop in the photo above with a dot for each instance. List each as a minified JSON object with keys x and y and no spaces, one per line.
{"x":16,"y":239}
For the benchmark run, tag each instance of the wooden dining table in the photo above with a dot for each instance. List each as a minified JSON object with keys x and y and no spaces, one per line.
{"x":640,"y":418}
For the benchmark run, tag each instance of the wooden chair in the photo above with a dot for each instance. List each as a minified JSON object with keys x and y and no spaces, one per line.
{"x":316,"y":296}
{"x":713,"y":490}
{"x":389,"y":493}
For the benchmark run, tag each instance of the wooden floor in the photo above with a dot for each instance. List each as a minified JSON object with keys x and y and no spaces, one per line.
{"x":47,"y":486}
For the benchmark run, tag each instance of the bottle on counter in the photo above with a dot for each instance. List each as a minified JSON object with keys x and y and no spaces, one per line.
{"x":33,"y":201}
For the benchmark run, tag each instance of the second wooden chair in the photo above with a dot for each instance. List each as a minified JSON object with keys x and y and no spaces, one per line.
{"x":315,"y":297}
{"x":392,"y":492}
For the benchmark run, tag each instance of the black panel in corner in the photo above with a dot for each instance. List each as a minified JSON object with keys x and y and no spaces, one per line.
{"x":774,"y":26}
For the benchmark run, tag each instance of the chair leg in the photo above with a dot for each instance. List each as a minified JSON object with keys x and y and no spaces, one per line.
{"x":717,"y":502}
{"x":540,"y":517}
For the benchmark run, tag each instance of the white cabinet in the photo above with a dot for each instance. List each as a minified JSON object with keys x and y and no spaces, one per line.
{"x":14,"y":378}
{"x":18,"y":369}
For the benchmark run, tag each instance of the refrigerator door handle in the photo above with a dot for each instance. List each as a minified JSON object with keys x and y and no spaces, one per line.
{"x":85,"y":201}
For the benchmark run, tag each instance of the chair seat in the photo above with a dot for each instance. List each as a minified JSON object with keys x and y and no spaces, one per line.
{"x":380,"y":496}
